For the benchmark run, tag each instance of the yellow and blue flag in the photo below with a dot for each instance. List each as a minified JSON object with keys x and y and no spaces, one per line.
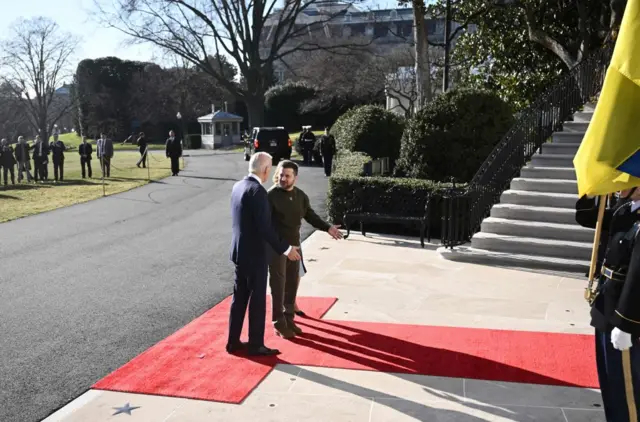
{"x":608,"y":159}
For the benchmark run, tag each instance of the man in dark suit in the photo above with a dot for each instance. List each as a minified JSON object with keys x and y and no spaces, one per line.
{"x":173,"y":150}
{"x":85,"y":150}
{"x":253,"y":237}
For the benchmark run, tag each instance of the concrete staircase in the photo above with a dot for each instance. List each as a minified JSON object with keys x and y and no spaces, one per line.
{"x":534,"y":224}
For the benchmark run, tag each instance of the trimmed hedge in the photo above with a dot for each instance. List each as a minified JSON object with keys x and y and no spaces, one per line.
{"x":370,"y":129}
{"x":453,"y":135}
{"x":348,"y":180}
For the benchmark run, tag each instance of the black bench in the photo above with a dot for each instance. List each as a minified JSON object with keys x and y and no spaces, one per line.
{"x":389,"y":209}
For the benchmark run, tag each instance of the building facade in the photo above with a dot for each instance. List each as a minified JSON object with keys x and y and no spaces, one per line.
{"x":381,"y":31}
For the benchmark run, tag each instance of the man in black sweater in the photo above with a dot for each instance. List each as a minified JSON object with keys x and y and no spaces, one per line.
{"x":289,"y":205}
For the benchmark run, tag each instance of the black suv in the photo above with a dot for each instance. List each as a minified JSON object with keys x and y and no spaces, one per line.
{"x":272,"y":140}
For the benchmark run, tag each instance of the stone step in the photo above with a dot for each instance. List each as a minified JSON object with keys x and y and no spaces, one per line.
{"x":533,"y":213}
{"x":583,"y":116}
{"x":589,"y":107}
{"x":530,"y":172}
{"x":560,"y":149}
{"x":545,"y":185}
{"x":537,"y":229}
{"x":571,"y":138}
{"x":580,"y":127}
{"x":532,"y":246}
{"x":539,"y":199}
{"x":575,"y":267}
{"x":552,"y":160}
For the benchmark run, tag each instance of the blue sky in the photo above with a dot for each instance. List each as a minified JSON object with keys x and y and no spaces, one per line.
{"x":74,"y":16}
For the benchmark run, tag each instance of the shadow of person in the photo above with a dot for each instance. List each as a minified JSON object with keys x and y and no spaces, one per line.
{"x":444,"y":403}
{"x":366,"y":349}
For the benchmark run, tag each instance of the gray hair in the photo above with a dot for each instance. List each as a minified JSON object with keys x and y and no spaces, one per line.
{"x":259,"y":161}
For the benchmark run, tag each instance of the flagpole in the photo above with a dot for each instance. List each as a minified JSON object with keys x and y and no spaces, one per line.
{"x":589,"y":293}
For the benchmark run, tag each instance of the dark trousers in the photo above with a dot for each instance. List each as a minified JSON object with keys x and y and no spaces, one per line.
{"x":615,"y":381}
{"x":327,"y":160}
{"x":307,"y":155}
{"x":58,"y":169}
{"x":284,"y":278}
{"x":84,"y":162}
{"x":105,"y":164}
{"x":175,"y":165}
{"x":5,"y":171}
{"x":250,"y":290}
{"x":40,"y":169}
{"x":143,"y":158}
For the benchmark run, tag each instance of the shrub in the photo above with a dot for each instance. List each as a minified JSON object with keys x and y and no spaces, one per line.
{"x":348,"y":188}
{"x":453,"y":135}
{"x":369,"y":129}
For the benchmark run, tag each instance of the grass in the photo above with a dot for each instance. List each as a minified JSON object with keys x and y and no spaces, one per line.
{"x":73,"y":140}
{"x":26,"y":199}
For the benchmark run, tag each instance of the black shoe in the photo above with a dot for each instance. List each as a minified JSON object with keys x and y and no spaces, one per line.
{"x":263,"y":351}
{"x":300,"y":313}
{"x":232,"y":348}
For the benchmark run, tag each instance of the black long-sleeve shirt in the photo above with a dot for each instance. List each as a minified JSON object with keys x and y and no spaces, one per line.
{"x":288,"y":208}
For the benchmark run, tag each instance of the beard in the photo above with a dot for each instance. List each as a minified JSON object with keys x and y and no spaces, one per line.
{"x":285,"y":185}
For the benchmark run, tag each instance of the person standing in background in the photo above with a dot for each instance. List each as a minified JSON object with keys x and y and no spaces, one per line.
{"x":85,"y":150}
{"x":104,"y":150}
{"x":57,"y":154}
{"x":328,"y":151}
{"x":23,"y":159}
{"x":142,"y":147}
{"x":7,"y":162}
{"x":173,"y":150}
{"x":40,"y":159}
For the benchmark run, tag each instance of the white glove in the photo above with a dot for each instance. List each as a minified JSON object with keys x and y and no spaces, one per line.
{"x":620,"y":339}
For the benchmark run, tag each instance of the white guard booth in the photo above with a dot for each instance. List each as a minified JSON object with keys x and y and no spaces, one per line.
{"x":220,"y":129}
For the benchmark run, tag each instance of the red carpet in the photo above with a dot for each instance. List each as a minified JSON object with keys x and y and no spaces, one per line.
{"x":192,"y":363}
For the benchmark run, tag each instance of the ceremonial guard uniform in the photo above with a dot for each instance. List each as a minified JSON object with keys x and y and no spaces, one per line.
{"x":615,"y":314}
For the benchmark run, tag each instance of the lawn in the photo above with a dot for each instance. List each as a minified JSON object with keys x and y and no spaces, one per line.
{"x":26,"y":199}
{"x":73,"y":140}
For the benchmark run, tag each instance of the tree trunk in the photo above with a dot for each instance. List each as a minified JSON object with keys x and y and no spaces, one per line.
{"x":422,"y":67}
{"x":255,"y":109}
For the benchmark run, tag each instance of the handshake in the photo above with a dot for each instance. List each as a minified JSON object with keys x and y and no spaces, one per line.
{"x":294,"y":254}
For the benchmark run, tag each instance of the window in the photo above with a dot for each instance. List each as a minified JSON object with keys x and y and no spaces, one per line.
{"x":236,"y":128}
{"x":347,"y":17}
{"x":393,"y":14}
{"x":218,"y":129}
{"x":206,"y":128}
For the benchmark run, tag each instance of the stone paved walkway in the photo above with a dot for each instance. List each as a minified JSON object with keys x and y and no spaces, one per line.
{"x":391,"y":279}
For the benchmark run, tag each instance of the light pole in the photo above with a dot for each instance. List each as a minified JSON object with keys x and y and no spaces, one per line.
{"x":182,"y":135}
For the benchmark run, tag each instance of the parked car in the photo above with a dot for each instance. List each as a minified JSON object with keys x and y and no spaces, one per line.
{"x":272,"y":140}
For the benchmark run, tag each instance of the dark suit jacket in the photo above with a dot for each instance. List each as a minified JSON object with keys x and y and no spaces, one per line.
{"x":85,"y":149}
{"x":253,"y":233}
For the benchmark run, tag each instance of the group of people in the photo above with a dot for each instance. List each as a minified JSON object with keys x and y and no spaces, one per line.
{"x":23,"y":153}
{"x":615,"y":302}
{"x":39,"y":152}
{"x":265,"y":248}
{"x":326,"y":148}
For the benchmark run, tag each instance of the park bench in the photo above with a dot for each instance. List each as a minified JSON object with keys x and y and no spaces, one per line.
{"x":387,"y":208}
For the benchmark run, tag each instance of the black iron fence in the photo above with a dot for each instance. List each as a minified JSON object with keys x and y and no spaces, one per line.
{"x":464,"y":209}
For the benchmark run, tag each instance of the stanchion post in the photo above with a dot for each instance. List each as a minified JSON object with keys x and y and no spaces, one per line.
{"x":102,"y":169}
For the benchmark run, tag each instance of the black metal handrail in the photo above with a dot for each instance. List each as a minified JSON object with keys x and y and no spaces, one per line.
{"x":464,"y":209}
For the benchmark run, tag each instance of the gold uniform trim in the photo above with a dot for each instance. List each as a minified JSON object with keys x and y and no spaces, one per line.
{"x":628,"y":319}
{"x":628,"y":386}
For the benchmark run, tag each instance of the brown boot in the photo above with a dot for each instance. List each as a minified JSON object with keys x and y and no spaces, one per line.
{"x":282,"y":330}
{"x":292,"y":325}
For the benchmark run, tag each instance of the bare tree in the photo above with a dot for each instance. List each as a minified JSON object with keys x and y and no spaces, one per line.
{"x":35,"y":63}
{"x":255,"y":34}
